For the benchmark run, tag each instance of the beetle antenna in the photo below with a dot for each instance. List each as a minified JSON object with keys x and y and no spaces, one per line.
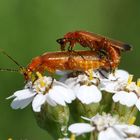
{"x":3,"y":52}
{"x":7,"y":69}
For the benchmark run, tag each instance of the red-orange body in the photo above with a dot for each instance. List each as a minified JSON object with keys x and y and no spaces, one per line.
{"x":91,"y":40}
{"x":68,"y":60}
{"x":99,"y":43}
{"x":78,"y":61}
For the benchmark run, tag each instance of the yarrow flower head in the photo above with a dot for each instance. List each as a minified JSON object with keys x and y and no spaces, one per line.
{"x":42,"y":91}
{"x":124,"y":97}
{"x":114,"y":81}
{"x":85,"y":89}
{"x":106,"y":127}
{"x":129,"y":95}
{"x":107,"y":98}
{"x":50,"y":97}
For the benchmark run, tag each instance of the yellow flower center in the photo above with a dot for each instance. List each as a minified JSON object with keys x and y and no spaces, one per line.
{"x":10,"y":139}
{"x":39,"y":74}
{"x":132,"y":120}
{"x":130,"y":78}
{"x":138,"y":82}
{"x":90,"y":71}
{"x":73,"y":137}
{"x":42,"y":84}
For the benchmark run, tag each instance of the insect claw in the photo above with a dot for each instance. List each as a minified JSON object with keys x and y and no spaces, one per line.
{"x":52,"y":82}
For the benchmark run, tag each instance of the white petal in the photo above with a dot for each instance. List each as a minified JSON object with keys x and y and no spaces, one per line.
{"x":88,"y":94}
{"x":125,"y":98}
{"x":61,"y":94}
{"x":132,"y":87}
{"x":114,"y":82}
{"x":50,"y":101}
{"x":116,"y":97}
{"x":68,"y":95}
{"x":82,"y":77}
{"x":38,"y":101}
{"x":23,"y":94}
{"x":64,"y":139}
{"x":121,"y":74}
{"x":132,"y":138}
{"x":57,"y":97}
{"x":63,"y":87}
{"x":71,"y":82}
{"x":108,"y":86}
{"x":10,"y":97}
{"x":80,"y":128}
{"x":85,"y":118}
{"x":132,"y":130}
{"x":138,"y":104}
{"x":110,"y":134}
{"x":22,"y":98}
{"x":16,"y":103}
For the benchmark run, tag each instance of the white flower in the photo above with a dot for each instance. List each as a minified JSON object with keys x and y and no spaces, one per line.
{"x":108,"y":128}
{"x":130,"y":130}
{"x":131,"y":138}
{"x":40,"y":93}
{"x":125,"y":91}
{"x":130,"y":96}
{"x":88,"y":94}
{"x":115,"y":81}
{"x":80,"y":128}
{"x":22,"y":98}
{"x":85,"y":90}
{"x":125,"y":98}
{"x":64,"y":139}
{"x":118,"y":74}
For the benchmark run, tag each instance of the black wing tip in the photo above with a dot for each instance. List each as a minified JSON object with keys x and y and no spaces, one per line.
{"x":127,"y":47}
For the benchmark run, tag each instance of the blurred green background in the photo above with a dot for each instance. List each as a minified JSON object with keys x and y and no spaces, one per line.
{"x":30,"y":27}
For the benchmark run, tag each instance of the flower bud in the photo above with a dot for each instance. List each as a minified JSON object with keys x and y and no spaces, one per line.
{"x":126,"y":114}
{"x":87,"y":110}
{"x":50,"y":118}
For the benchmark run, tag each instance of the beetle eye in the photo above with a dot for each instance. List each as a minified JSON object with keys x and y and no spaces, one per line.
{"x":61,"y":40}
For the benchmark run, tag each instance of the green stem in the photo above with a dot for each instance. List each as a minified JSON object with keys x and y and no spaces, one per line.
{"x":93,"y":135}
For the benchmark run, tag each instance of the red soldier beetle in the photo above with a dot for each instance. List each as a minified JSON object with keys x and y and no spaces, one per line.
{"x":104,"y":46}
{"x":53,"y":61}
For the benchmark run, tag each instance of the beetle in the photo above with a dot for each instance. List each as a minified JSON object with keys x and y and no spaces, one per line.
{"x":103,"y":45}
{"x":52,"y":61}
{"x":91,"y":40}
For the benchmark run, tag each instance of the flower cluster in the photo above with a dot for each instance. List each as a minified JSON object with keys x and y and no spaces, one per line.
{"x":41,"y":92}
{"x":108,"y":128}
{"x":89,"y":94}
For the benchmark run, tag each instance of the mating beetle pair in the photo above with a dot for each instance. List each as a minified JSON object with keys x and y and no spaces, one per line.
{"x":104,"y":53}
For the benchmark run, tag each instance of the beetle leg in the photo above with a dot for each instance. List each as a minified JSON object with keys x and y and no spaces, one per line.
{"x":52,"y":82}
{"x":102,"y":74}
{"x":62,"y":47}
{"x":71,"y":45}
{"x":78,"y":54}
{"x":70,"y":48}
{"x":113,"y":55}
